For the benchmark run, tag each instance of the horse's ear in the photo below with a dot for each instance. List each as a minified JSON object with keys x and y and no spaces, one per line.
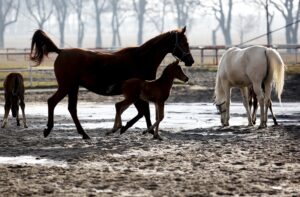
{"x":183,"y":30}
{"x":176,"y":62}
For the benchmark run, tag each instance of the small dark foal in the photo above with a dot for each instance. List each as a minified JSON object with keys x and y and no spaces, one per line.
{"x":14,"y":96}
{"x":253,"y":101}
{"x":156,"y":91}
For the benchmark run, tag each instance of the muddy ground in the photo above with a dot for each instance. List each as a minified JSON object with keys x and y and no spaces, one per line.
{"x":214,"y":161}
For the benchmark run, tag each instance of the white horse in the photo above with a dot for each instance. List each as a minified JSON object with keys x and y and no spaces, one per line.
{"x":255,"y":66}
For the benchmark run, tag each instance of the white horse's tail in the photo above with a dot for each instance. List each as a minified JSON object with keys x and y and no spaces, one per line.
{"x":276,"y":70}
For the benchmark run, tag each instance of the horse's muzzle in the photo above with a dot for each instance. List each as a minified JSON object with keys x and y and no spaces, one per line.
{"x":189,"y":60}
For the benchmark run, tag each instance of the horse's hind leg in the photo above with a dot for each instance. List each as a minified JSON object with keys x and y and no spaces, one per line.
{"x":6,"y":109}
{"x":245,"y":96}
{"x":72,"y":107}
{"x":260,"y":97}
{"x":22,"y":105}
{"x":52,"y":102}
{"x":273,"y":115}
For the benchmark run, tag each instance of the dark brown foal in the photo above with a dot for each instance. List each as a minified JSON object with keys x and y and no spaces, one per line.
{"x":156,"y":91}
{"x":14,"y":97}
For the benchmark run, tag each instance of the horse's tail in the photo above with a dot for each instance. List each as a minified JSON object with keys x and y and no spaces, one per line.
{"x":276,"y":70}
{"x":41,"y":45}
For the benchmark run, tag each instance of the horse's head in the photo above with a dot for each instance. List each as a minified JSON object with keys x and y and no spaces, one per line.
{"x":181,"y":48}
{"x":177,"y":71}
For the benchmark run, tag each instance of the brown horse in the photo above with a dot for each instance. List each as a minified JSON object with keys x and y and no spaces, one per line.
{"x":14,"y":96}
{"x":103,"y":73}
{"x":253,"y":102}
{"x":156,"y":91}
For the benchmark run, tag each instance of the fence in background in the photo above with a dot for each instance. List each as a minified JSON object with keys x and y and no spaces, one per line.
{"x":17,"y":60}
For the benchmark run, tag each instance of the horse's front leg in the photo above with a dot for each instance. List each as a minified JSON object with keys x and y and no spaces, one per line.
{"x":227,"y":106}
{"x":245,"y":95}
{"x":72,"y":107}
{"x":52,"y":102}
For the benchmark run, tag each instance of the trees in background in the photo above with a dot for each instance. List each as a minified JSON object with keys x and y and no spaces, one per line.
{"x":139,"y":7}
{"x":184,"y":9}
{"x":40,"y":11}
{"x":223,"y":17}
{"x":61,"y":8}
{"x":78,"y":6}
{"x":99,"y":9}
{"x":158,"y":13}
{"x":290,"y":11}
{"x":9,"y":11}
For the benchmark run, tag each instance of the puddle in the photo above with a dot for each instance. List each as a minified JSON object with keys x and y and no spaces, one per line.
{"x":31,"y":160}
{"x":178,"y":116}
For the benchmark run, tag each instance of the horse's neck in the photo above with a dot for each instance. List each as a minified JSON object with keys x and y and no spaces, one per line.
{"x":166,"y":80}
{"x":219,"y":92}
{"x":155,"y":50}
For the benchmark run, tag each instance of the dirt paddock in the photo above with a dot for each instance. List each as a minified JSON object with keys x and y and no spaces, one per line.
{"x":194,"y":161}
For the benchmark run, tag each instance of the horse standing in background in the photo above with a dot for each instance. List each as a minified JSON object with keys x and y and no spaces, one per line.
{"x":156,"y":91}
{"x":257,"y":66}
{"x":14,"y":97}
{"x":104,"y":73}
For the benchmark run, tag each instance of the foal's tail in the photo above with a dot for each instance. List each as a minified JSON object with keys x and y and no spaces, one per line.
{"x":276,"y":70}
{"x":41,"y":45}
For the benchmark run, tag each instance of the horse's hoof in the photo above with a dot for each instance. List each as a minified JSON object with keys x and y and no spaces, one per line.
{"x":157,"y":138}
{"x":108,"y":133}
{"x":262,"y":126}
{"x":86,"y":137}
{"x":122,"y":130}
{"x":46,"y":132}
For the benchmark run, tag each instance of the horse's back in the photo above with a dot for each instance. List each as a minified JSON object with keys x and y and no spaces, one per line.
{"x":242,"y":66}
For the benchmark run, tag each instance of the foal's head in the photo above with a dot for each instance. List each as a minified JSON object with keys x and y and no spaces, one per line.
{"x":181,"y":49}
{"x":174,"y":71}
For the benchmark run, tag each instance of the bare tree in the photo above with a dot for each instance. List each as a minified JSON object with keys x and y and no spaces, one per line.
{"x":118,"y":17}
{"x":61,"y":8}
{"x":290,"y":10}
{"x":184,"y":9}
{"x":245,"y":24}
{"x":40,"y":10}
{"x":99,"y":9}
{"x":269,"y":16}
{"x":78,"y":7}
{"x":9,"y":11}
{"x":140,"y":9}
{"x":157,"y":13}
{"x":224,"y":18}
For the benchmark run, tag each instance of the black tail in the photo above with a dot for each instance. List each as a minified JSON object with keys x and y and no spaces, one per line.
{"x":41,"y":45}
{"x":16,"y":86}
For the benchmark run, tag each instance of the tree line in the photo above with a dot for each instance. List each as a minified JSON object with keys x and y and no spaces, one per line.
{"x":184,"y":12}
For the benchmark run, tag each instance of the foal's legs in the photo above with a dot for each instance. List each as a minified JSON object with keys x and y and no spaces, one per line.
{"x":159,"y":109}
{"x":6,"y":109}
{"x":143,"y":110}
{"x":72,"y":107}
{"x":120,"y":108}
{"x":52,"y":102}
{"x":245,"y":95}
